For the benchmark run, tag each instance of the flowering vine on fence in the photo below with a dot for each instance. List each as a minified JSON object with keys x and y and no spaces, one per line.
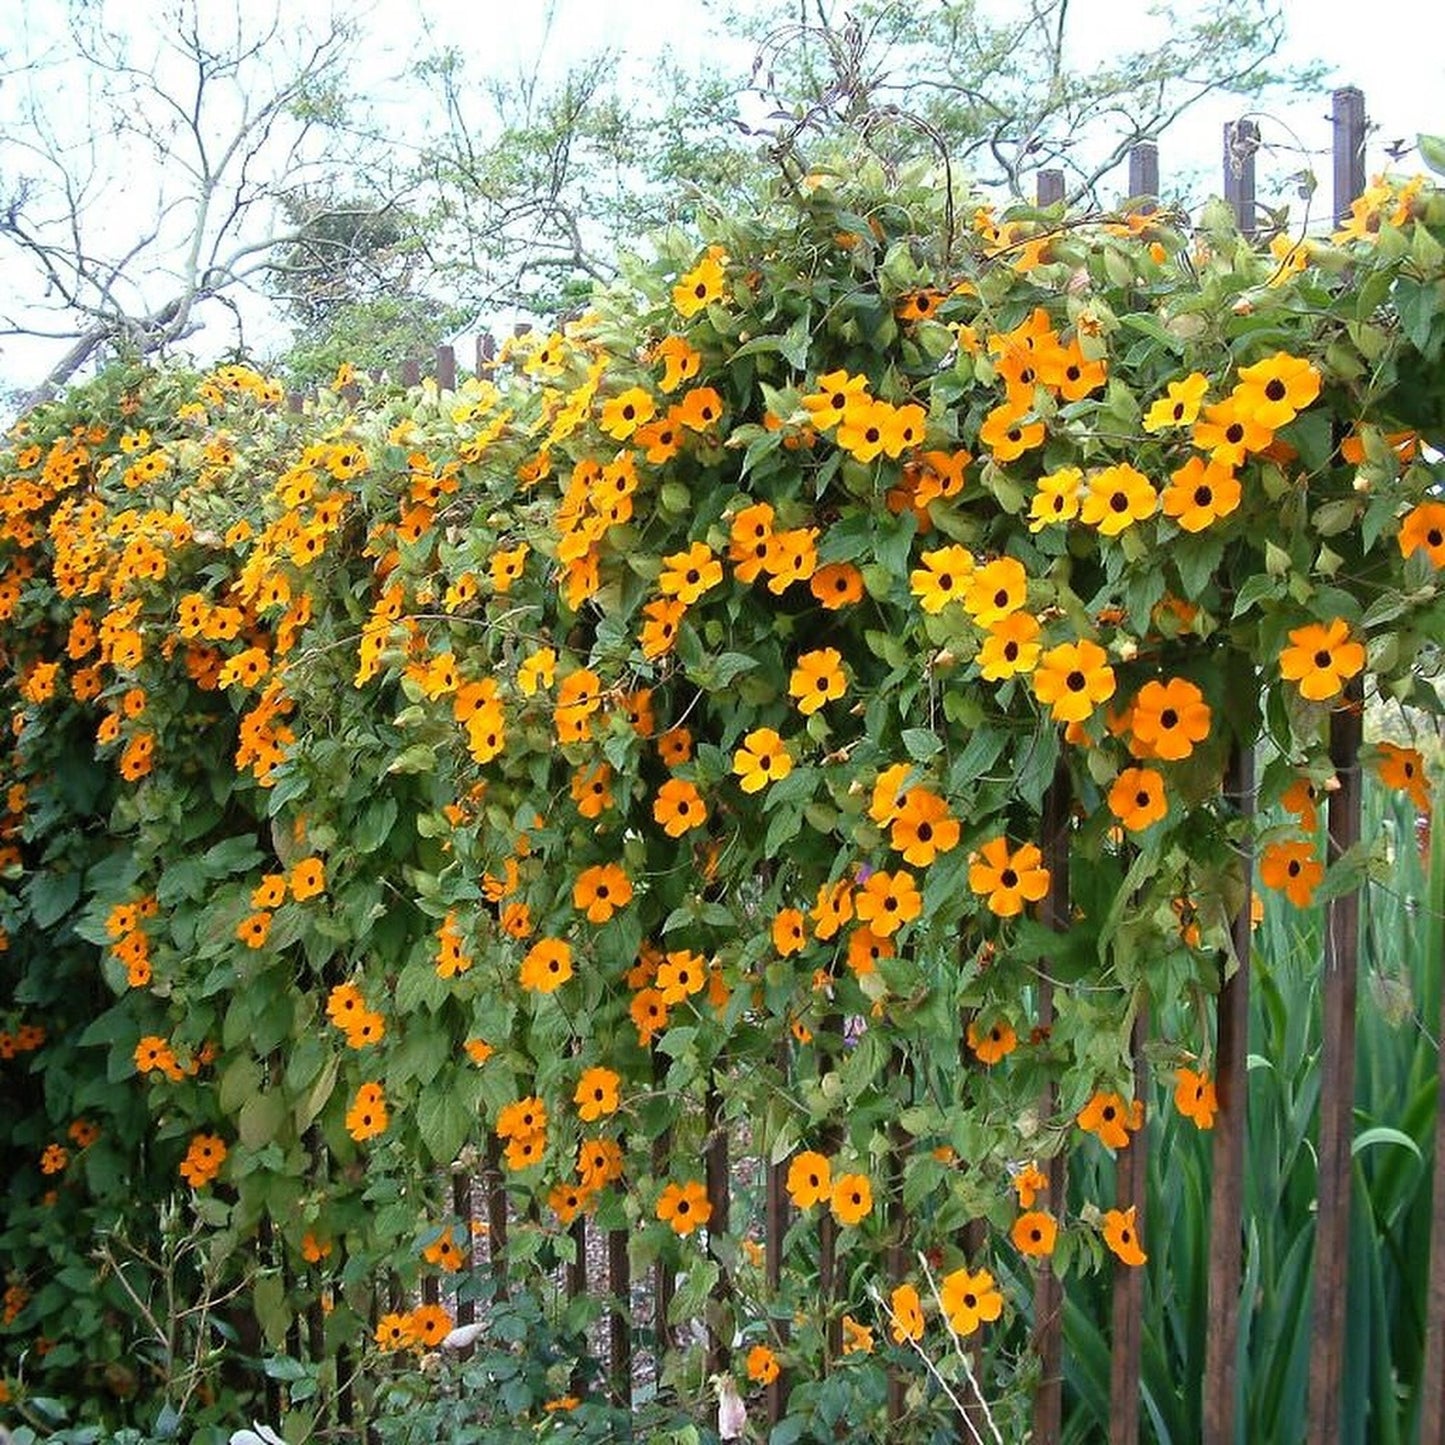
{"x":669,"y":715}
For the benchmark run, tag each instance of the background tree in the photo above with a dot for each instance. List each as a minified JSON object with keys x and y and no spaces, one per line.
{"x":150,"y":195}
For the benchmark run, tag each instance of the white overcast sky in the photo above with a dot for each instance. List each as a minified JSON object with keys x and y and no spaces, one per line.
{"x":1394,"y":50}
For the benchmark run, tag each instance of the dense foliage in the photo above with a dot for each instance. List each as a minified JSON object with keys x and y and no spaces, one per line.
{"x":654,"y":738}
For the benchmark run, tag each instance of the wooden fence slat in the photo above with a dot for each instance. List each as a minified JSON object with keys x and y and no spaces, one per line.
{"x":777,"y":1216}
{"x":447,"y":368}
{"x":715,"y":1157}
{"x":1144,"y":172}
{"x":1432,"y":1405}
{"x":1337,"y":1089}
{"x":619,"y":1324}
{"x":662,"y":1277}
{"x":1349,"y":148}
{"x":1050,"y":187}
{"x":1048,"y":1338}
{"x":1127,"y":1328}
{"x":1241,"y":142}
{"x":1231,"y":1083}
{"x":496,"y":1217}
{"x":462,"y":1208}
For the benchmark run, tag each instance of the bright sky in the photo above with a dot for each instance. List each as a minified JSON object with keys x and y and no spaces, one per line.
{"x":1394,"y":50}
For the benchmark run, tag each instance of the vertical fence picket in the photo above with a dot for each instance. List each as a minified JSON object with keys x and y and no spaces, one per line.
{"x":411,"y":372}
{"x":716,"y":1160}
{"x":496,"y":1218}
{"x":619,"y":1323}
{"x":1241,"y":141}
{"x":778,"y":1215}
{"x":1432,"y":1404}
{"x":1050,"y":188}
{"x":462,"y":1208}
{"x":1337,"y":1089}
{"x":447,"y":368}
{"x":896,"y":1259}
{"x":1348,"y":119}
{"x":1226,"y":1208}
{"x":1342,"y":944}
{"x":486,"y":352}
{"x":662,"y":1276}
{"x":1144,"y":172}
{"x":1127,"y":1326}
{"x":1048,"y":1340}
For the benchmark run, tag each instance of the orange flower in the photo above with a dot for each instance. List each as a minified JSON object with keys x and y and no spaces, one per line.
{"x":254,"y":929}
{"x":837,"y":585}
{"x":1072,"y":679}
{"x":599,"y":1162}
{"x":679,"y":807}
{"x":1137,"y":798}
{"x":203,"y":1160}
{"x":998,"y":1043}
{"x":270,"y":892}
{"x":681,"y":361}
{"x":687,"y":575}
{"x":598,"y":1093}
{"x":430,"y":1325}
{"x":1292,"y":868}
{"x":699,"y":409}
{"x":969,"y":1300}
{"x":1011,"y":647}
{"x":1179,"y":405}
{"x":308,"y":878}
{"x":836,"y":389}
{"x":394,"y":1332}
{"x":996,"y":591}
{"x":1109,"y":1118}
{"x":1009,"y":879}
{"x":367,"y":1116}
{"x":817,"y":679}
{"x":887,"y":901}
{"x":852,"y":1199}
{"x":923,"y":828}
{"x":1029,"y":1183}
{"x":1122,"y":1237}
{"x":1035,"y":1232}
{"x":680,"y":975}
{"x":649,"y":1014}
{"x":943,"y":578}
{"x":1168,"y":719}
{"x":906,"y":1311}
{"x":547,"y":966}
{"x":749,"y":539}
{"x":1403,"y":769}
{"x":659,"y":632}
{"x":622,"y":415}
{"x":1194,"y":1096}
{"x":762,"y":1365}
{"x":834,"y":908}
{"x":1423,"y":530}
{"x":790,"y":932}
{"x":684,"y":1206}
{"x":762,"y":759}
{"x":1118,"y":497}
{"x":523,"y":1118}
{"x":699,"y":287}
{"x":810,"y":1179}
{"x":1200,"y":493}
{"x":1274,"y":391}
{"x":600,"y":891}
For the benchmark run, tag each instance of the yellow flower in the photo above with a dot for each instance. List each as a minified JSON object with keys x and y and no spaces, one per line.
{"x":762,"y":759}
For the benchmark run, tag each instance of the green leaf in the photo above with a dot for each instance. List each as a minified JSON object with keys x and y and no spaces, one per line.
{"x":1432,"y":151}
{"x":443,"y":1122}
{"x":268,"y":1300}
{"x":261,"y":1118}
{"x":51,"y":895}
{"x":1384,"y":1134}
{"x":921,"y":743}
